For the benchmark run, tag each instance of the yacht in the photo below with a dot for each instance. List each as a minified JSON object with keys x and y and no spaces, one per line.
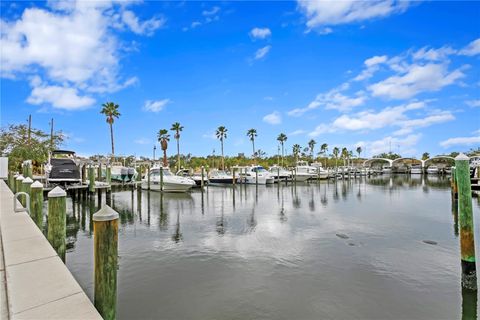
{"x":197,"y":177}
{"x":303,"y":170}
{"x":322,"y":174}
{"x":432,"y":170}
{"x":219,"y":177}
{"x":387,"y":169}
{"x":171,"y":182}
{"x":256,"y":175}
{"x":62,"y":168}
{"x":416,"y":169}
{"x":280,"y":173}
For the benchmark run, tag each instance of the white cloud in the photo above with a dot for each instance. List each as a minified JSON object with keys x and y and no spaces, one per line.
{"x":260,"y":33}
{"x":70,"y":45}
{"x":405,"y":144}
{"x":328,"y":13}
{"x":146,"y":27}
{"x":213,"y":11}
{"x":372,"y":66}
{"x":472,"y":49}
{"x":473,"y":103}
{"x":297,"y":132}
{"x":142,"y":141}
{"x":460,"y":141}
{"x":195,"y":24}
{"x":262,"y":52}
{"x":210,"y":135}
{"x":408,"y":126}
{"x":417,"y":79}
{"x":273,"y":118}
{"x":325,"y":30}
{"x":373,"y":61}
{"x":333,"y":99}
{"x":439,"y":54}
{"x":155,"y":106}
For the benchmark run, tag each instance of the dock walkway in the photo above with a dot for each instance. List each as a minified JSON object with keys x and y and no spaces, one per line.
{"x":35,"y":281}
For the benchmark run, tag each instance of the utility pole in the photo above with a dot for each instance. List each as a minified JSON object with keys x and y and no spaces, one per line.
{"x":154,"y":149}
{"x":51,"y":134}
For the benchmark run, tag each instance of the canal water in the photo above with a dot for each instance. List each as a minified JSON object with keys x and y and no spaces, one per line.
{"x":371,"y":248}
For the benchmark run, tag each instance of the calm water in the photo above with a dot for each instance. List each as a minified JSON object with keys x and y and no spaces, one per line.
{"x":345,"y":250}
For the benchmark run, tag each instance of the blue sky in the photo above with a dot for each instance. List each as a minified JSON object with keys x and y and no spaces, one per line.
{"x":384,"y":75}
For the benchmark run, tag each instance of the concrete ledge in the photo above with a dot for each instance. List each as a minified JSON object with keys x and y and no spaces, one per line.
{"x":38,"y":284}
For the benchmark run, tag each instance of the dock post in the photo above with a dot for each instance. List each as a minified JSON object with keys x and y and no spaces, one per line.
{"x":105,"y":248}
{"x":91,"y":178}
{"x":26,"y":187}
{"x":148,"y":178}
{"x":11,"y":181}
{"x":28,"y":169}
{"x":57,"y":220}
{"x":467,"y":241}
{"x":454,"y":184}
{"x":36,"y":203}
{"x":202,"y":183}
{"x":108,"y":174}
{"x":161,"y":178}
{"x":233,"y":180}
{"x":278,"y":175}
{"x":84,"y":174}
{"x":256,"y":177}
{"x":18,"y":185}
{"x":99,"y":172}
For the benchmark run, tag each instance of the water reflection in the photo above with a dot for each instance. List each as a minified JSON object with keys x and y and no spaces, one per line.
{"x":272,"y":252}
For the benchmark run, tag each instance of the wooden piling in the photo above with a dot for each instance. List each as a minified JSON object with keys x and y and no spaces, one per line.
{"x":57,"y":220}
{"x":233,"y":176}
{"x":99,"y":172}
{"x":454,"y":184}
{"x":161,"y":178}
{"x":278,"y":175}
{"x":202,"y":183}
{"x":108,"y":174}
{"x":91,"y":178}
{"x":26,"y":187}
{"x":11,"y":181}
{"x":36,"y":203}
{"x":148,"y":178}
{"x":18,"y":185}
{"x":84,"y":174}
{"x":467,"y":241}
{"x":105,"y":248}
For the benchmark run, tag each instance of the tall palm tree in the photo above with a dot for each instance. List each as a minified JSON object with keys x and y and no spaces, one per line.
{"x":359,"y":151}
{"x":323,"y":150}
{"x":110,"y":110}
{"x":252,"y":134}
{"x":221,"y":134}
{"x":163,"y":138}
{"x":296,"y":150}
{"x":344,"y":155}
{"x":177,"y":128}
{"x":282,"y":138}
{"x":311,"y":145}
{"x":335,"y":152}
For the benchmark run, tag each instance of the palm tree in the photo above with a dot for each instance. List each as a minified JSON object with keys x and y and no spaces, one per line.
{"x":425,"y":156}
{"x":323,"y":150}
{"x":222,"y":135}
{"x":110,"y":110}
{"x":311,"y":145}
{"x":163,"y":138}
{"x":359,"y":151}
{"x":344,"y":155}
{"x":252,"y":134}
{"x":296,"y":150}
{"x":282,"y":138}
{"x":177,"y":128}
{"x":335,"y":152}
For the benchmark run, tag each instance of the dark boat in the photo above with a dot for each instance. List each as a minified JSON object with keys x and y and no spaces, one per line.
{"x":62,"y":168}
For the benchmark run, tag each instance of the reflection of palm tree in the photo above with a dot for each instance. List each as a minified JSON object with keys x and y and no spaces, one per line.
{"x":252,"y":222}
{"x":163,"y":223}
{"x":283,"y":216}
{"x":311,"y":203}
{"x":177,"y":237}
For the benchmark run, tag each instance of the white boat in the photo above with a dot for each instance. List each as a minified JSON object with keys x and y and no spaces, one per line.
{"x":322,"y":174}
{"x":195,"y":176}
{"x":256,"y":175}
{"x":432,"y":170}
{"x":416,"y":169}
{"x":387,"y":169}
{"x":219,"y":177}
{"x":303,"y":170}
{"x":280,"y":173}
{"x":171,"y":182}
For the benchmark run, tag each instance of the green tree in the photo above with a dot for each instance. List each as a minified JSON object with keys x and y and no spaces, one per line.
{"x":296,"y":150}
{"x":282,"y":138}
{"x":311,"y":146}
{"x":221,"y":134}
{"x":163,"y":138}
{"x":110,"y":110}
{"x":425,"y":156}
{"x":252,"y":134}
{"x":177,"y":128}
{"x":336,"y":152}
{"x":323,"y":150}
{"x":359,"y":151}
{"x":344,"y":155}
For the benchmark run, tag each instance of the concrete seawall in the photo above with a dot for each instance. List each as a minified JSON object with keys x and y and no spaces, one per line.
{"x":35,"y":283}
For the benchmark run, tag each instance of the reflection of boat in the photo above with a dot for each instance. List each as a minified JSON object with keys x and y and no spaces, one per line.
{"x":219,"y":177}
{"x":279,"y":173}
{"x":416,"y":169}
{"x":432,"y":170}
{"x":62,"y":167}
{"x":197,"y":177}
{"x":171,"y":182}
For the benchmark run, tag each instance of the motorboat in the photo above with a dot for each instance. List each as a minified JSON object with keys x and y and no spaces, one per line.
{"x":162,"y":179}
{"x":322,"y":174}
{"x":219,"y":177}
{"x":119,"y":172}
{"x":280,"y":173}
{"x":387,"y":169}
{"x":416,"y":169}
{"x":302,"y":169}
{"x":255,"y":175}
{"x":62,"y":168}
{"x":195,"y":176}
{"x":432,"y":170}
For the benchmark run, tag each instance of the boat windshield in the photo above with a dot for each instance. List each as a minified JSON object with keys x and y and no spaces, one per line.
{"x":259,"y":169}
{"x":156,"y":172}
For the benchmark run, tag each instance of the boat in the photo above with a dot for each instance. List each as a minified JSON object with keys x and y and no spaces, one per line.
{"x":219,"y":177}
{"x":416,"y":169}
{"x":197,"y":177}
{"x":171,"y":182}
{"x":432,"y":170}
{"x":255,"y":175}
{"x":62,"y":168}
{"x":387,"y":169}
{"x":280,"y":173}
{"x":322,"y":174}
{"x":303,"y":171}
{"x":119,"y":172}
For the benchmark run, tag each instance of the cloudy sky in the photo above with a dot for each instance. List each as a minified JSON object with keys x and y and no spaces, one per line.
{"x":385,"y":75}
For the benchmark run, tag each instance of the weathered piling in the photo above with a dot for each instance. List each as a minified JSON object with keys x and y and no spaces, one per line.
{"x":108,"y":174}
{"x":161,"y":178}
{"x":256,"y":176}
{"x":233,"y":176}
{"x":467,"y":241}
{"x":99,"y":172}
{"x":84,"y":174}
{"x":18,"y":185}
{"x":26,"y":187}
{"x":454,"y":184}
{"x":202,"y":183}
{"x":11,"y":181}
{"x":36,"y":203}
{"x":105,"y":261}
{"x":148,"y":178}
{"x":278,"y":175}
{"x":57,"y":219}
{"x":91,"y":178}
